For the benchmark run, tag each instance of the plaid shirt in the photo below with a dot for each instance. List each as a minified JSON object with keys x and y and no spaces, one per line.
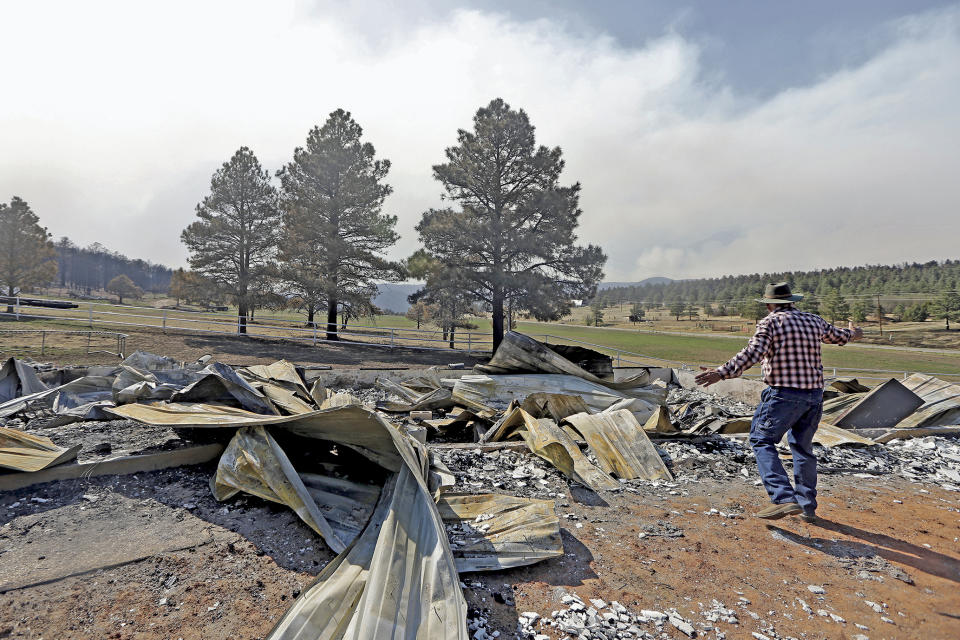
{"x":788,"y":341}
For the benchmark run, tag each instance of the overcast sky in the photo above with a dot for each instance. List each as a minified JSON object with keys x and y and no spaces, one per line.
{"x":709,"y":137}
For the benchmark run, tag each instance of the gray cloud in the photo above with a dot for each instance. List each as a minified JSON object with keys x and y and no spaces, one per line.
{"x":116,"y":127}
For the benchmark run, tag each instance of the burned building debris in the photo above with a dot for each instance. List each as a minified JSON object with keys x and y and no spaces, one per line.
{"x":415,"y":482}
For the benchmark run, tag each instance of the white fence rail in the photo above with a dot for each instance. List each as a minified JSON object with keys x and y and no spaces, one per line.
{"x":622,"y":358}
{"x":94,"y":314}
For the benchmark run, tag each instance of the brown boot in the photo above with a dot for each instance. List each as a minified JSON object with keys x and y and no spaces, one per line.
{"x":777,"y":511}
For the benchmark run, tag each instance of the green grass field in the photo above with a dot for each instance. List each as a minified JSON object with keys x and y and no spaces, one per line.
{"x":691,"y":350}
{"x":712,"y":351}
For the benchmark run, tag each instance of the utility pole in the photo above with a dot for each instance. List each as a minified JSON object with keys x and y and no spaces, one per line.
{"x":880,"y":315}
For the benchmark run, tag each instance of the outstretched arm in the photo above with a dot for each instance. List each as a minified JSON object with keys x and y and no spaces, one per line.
{"x":835,"y":335}
{"x":750,"y":355}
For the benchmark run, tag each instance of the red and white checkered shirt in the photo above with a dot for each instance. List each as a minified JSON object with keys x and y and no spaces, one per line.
{"x":788,"y":342}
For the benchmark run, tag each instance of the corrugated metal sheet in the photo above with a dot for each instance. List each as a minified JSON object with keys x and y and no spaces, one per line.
{"x":26,"y":452}
{"x":491,"y":531}
{"x":488,"y":394}
{"x":518,"y":353}
{"x":621,"y":445}
{"x":550,"y":442}
{"x":831,"y":436}
{"x":660,"y":422}
{"x":399,"y":578}
{"x":18,"y":379}
{"x":253,"y":462}
{"x":281,"y":383}
{"x":884,"y":406}
{"x":941,"y":403}
{"x":555,"y":406}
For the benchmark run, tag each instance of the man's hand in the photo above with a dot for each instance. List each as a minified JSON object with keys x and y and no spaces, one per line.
{"x":710,"y":376}
{"x":857,"y":331}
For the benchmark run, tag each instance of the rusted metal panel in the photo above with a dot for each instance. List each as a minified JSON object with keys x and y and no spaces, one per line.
{"x":26,"y":452}
{"x":490,"y":531}
{"x":621,"y":445}
{"x":548,"y":441}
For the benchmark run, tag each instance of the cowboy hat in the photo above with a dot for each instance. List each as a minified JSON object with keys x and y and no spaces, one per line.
{"x":779,"y":293}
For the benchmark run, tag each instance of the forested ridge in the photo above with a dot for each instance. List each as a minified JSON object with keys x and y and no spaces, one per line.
{"x":92,"y":267}
{"x":925,"y":279}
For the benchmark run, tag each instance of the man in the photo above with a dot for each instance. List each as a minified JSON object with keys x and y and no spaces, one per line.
{"x":788,"y":342}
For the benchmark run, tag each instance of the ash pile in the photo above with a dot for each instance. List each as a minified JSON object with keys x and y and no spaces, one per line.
{"x":434,"y":474}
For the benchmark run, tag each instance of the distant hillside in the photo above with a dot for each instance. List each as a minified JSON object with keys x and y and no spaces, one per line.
{"x":654,"y":280}
{"x":393,"y":297}
{"x":928,"y":278}
{"x":93,"y":267}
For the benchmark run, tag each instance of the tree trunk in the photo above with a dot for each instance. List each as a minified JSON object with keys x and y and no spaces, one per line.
{"x":241,"y":318}
{"x":332,"y":319}
{"x":310,"y":313}
{"x":10,"y":299}
{"x":497,"y":318}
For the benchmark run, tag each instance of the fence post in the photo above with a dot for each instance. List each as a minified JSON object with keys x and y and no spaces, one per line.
{"x":90,"y":317}
{"x":164,"y":320}
{"x":618,"y":357}
{"x":469,"y":335}
{"x":16,"y":308}
{"x":314,"y":333}
{"x":392,"y":334}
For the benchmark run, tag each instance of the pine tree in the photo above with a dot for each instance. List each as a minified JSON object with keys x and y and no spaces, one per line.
{"x":512,"y":236}
{"x":444,"y":291}
{"x":858,"y":312}
{"x":234,"y":242}
{"x":835,"y":306}
{"x":334,"y":231}
{"x":947,"y":307}
{"x":677,"y":309}
{"x":27,"y":254}
{"x":596,"y":313}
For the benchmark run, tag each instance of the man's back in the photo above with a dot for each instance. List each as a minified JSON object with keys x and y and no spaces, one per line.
{"x":788,"y":342}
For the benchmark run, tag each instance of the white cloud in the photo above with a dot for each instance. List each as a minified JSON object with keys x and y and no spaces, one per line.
{"x":116,"y":114}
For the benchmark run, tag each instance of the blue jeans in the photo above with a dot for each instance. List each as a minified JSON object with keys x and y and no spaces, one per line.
{"x":795,"y":412}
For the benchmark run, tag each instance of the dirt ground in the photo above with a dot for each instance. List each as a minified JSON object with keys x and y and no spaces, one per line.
{"x":174,"y":563}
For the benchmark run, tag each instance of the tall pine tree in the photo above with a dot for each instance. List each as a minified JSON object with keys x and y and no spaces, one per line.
{"x":234,"y":242}
{"x":512,"y":237}
{"x":27,"y":255}
{"x":334,"y":230}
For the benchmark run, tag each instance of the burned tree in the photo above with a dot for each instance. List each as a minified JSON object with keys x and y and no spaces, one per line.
{"x":235,"y":239}
{"x":512,"y":236}
{"x":27,"y":255}
{"x":334,"y":231}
